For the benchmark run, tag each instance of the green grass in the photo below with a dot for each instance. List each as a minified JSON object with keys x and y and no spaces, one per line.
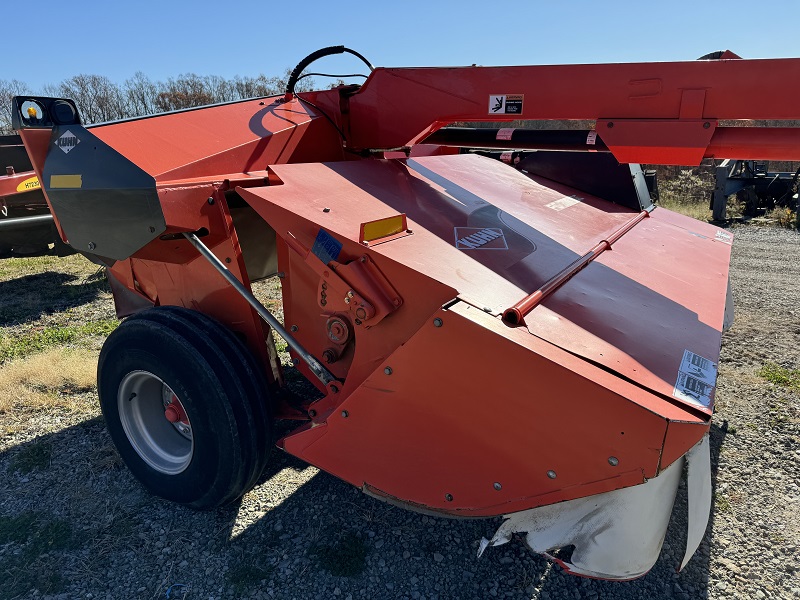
{"x":48,"y":337}
{"x":35,"y":455}
{"x":346,"y":558}
{"x":721,"y":503}
{"x":781,"y":376}
{"x":29,"y":265}
{"x":697,"y":211}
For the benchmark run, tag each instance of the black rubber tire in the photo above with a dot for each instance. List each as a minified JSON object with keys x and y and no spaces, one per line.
{"x":247,"y":370}
{"x":217,"y":382}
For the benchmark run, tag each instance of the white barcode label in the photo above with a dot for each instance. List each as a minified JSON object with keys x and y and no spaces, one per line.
{"x":697,"y":378}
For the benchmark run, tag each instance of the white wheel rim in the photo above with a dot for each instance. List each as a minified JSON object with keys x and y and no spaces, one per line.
{"x":166,"y":446}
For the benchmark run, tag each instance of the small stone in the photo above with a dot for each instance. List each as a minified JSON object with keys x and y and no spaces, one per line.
{"x":438,"y":557}
{"x":406,"y":554}
{"x":337,"y":592}
{"x":379,"y":543}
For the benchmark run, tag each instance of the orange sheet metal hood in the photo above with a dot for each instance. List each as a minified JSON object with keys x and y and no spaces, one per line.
{"x":649,"y":310}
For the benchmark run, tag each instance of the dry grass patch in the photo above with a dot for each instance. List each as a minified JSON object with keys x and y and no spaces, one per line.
{"x":42,"y":380}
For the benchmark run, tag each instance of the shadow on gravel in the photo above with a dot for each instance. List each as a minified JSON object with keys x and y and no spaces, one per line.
{"x":31,"y":296}
{"x":68,"y":501}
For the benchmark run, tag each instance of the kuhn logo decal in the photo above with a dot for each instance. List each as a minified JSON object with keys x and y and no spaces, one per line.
{"x":67,"y":141}
{"x":477,"y":238}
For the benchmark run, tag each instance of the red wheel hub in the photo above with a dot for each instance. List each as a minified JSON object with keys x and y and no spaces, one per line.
{"x":174,"y":412}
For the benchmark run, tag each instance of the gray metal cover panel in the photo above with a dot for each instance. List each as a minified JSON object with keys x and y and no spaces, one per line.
{"x":105,"y":204}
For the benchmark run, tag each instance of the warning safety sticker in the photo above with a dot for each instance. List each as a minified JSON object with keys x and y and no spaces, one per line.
{"x":697,"y":378}
{"x":505,"y":104}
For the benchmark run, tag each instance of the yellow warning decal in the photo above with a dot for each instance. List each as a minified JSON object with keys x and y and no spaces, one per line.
{"x":31,"y":183}
{"x":66,"y":181}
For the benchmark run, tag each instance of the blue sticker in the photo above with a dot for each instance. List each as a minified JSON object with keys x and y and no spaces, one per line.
{"x":326,"y":248}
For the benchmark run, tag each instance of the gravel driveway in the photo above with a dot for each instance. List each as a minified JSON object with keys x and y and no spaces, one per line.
{"x":74,"y":523}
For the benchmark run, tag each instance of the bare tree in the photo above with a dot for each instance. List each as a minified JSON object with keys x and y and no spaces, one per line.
{"x":9,"y":89}
{"x":187,"y":91}
{"x":100,"y":100}
{"x":97,"y":97}
{"x":139,"y":95}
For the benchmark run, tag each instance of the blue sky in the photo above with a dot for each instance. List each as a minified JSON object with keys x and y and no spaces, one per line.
{"x":243,"y":37}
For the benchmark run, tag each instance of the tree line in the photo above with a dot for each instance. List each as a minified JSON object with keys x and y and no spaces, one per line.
{"x":99,"y":99}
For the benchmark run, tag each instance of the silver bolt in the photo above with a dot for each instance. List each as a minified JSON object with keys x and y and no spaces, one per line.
{"x":350,"y":294}
{"x":92,"y":245}
{"x":613,"y":461}
{"x":345,"y":414}
{"x":293,"y":328}
{"x":497,"y":486}
{"x":437,"y":322}
{"x":326,"y":210}
{"x":347,"y":300}
{"x":388,"y":370}
{"x":551,"y":474}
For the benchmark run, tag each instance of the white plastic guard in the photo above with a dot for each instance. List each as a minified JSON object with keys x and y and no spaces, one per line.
{"x":618,"y":534}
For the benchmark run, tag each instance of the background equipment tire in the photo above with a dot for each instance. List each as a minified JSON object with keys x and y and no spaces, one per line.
{"x":185,"y":404}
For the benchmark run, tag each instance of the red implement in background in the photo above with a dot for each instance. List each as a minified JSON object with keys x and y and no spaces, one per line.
{"x":485,"y":341}
{"x":26,"y":225}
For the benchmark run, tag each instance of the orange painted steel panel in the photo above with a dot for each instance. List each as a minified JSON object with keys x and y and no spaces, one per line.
{"x":681,"y":435}
{"x":229,"y":138}
{"x":639,"y":307}
{"x":611,"y":91}
{"x":426,"y":427}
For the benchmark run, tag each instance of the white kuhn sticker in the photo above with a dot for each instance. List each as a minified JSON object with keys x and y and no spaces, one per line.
{"x":559,"y":205}
{"x":697,"y":378}
{"x":67,"y":141}
{"x":477,"y":238}
{"x":505,"y":104}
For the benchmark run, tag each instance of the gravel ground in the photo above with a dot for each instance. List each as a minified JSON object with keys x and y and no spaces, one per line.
{"x":74,"y":523}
